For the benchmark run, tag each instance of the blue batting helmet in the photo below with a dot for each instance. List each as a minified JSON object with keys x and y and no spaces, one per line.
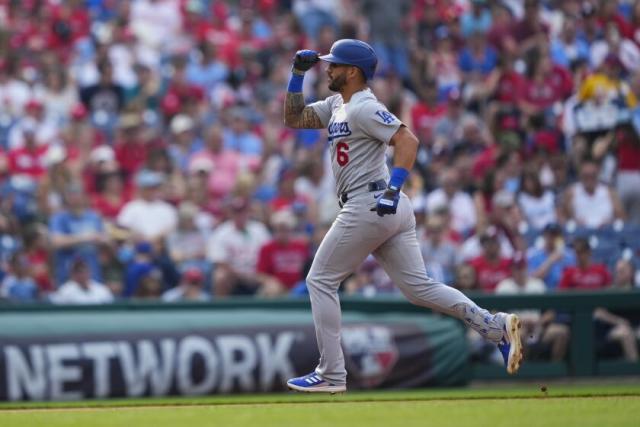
{"x":353,"y":52}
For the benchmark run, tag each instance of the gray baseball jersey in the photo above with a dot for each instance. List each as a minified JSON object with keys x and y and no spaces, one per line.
{"x":358,"y":134}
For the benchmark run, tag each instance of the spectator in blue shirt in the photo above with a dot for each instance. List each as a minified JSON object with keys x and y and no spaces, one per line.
{"x":477,"y":19}
{"x":19,"y":285}
{"x":207,"y":71}
{"x":478,"y":57}
{"x":548,"y":262}
{"x":76,"y":232}
{"x":567,"y":48}
{"x":239,"y":136}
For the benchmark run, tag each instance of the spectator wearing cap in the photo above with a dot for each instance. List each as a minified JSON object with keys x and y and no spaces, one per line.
{"x":132,"y":145}
{"x":184,"y":143}
{"x":45,"y":130}
{"x":552,"y":258}
{"x":490,"y":266}
{"x":19,"y":285}
{"x":148,"y":216}
{"x":438,"y":251}
{"x":81,"y":288}
{"x":590,"y":203}
{"x":538,"y":330}
{"x":459,"y":203}
{"x":59,"y":177}
{"x":76,"y":231}
{"x":214,"y":157}
{"x":281,"y":260}
{"x":233,"y":248}
{"x":29,"y":158}
{"x":190,"y":288}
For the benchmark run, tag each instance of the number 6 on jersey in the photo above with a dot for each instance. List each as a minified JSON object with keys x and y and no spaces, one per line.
{"x":342,"y":153}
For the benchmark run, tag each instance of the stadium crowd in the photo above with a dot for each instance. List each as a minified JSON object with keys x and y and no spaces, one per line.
{"x":143,"y":152}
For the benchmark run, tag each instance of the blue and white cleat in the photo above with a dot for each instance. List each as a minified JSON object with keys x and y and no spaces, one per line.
{"x":313,"y":383}
{"x":511,"y":346}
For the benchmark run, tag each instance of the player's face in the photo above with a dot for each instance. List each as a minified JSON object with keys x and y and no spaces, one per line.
{"x":337,"y":76}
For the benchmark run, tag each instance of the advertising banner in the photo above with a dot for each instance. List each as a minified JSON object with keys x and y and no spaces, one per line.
{"x":227,"y":359}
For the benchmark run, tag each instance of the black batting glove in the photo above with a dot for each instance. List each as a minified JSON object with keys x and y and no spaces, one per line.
{"x":304,"y":60}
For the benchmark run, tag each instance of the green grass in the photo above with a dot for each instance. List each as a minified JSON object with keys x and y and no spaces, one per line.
{"x":562,"y":406}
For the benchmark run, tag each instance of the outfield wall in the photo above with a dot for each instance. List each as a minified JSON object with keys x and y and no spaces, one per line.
{"x":250,"y":345}
{"x":160,"y":350}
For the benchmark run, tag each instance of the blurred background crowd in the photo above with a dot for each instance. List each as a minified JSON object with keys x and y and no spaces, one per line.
{"x":143,"y":152}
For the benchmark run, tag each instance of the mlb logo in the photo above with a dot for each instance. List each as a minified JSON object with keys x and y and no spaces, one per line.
{"x":370,"y":352}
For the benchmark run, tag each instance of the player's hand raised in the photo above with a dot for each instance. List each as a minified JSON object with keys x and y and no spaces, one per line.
{"x":305,"y":59}
{"x":388,"y":202}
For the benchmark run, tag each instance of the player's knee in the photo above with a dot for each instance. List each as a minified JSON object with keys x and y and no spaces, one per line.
{"x":317,"y":282}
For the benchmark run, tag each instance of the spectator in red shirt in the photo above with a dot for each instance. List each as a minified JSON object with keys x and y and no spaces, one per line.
{"x":499,"y":35}
{"x":586,"y":275}
{"x":30,"y":158}
{"x":608,"y":13}
{"x":281,"y":261}
{"x":37,"y":253}
{"x":609,"y":327}
{"x":111,"y":196}
{"x":427,"y":111}
{"x":131,"y":148}
{"x":490,"y":267}
{"x":530,"y":30}
{"x":546,"y":84}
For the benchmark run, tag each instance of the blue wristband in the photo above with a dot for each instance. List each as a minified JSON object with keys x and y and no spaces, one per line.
{"x":295,"y":83}
{"x":398,"y":176}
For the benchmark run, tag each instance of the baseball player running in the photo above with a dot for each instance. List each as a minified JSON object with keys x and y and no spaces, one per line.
{"x":376,"y":216}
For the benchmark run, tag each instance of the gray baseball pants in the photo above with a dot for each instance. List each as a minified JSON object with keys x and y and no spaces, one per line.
{"x":357,"y":232}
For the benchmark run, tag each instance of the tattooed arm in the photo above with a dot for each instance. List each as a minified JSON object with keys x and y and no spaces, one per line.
{"x":296,"y":115}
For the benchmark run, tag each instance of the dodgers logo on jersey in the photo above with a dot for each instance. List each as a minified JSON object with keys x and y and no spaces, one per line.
{"x":338,"y":129}
{"x":386,"y":116}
